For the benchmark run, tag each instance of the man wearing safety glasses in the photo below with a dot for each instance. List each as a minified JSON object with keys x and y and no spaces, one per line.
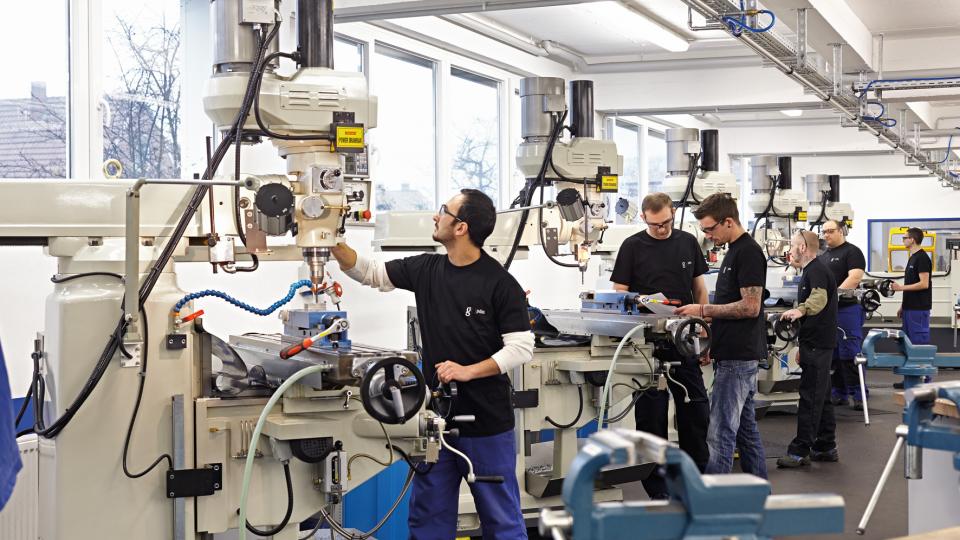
{"x":917,"y":294}
{"x":474,"y":329}
{"x":663,"y":259}
{"x":739,"y":338}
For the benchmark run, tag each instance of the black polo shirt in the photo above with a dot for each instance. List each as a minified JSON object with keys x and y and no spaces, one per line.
{"x":840,"y":260}
{"x":464,"y":312}
{"x":743,"y":266}
{"x":820,"y":330}
{"x":918,"y":263}
{"x":647,"y":265}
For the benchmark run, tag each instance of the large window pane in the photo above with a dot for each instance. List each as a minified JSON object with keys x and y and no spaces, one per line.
{"x":33,"y":90}
{"x":627,"y":137}
{"x":403,"y":147}
{"x":141,"y":86}
{"x":347,"y":55}
{"x":656,"y":149}
{"x":474,"y":111}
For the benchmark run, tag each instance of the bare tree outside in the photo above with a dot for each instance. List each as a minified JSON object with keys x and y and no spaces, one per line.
{"x":476,"y":161}
{"x":141,"y":127}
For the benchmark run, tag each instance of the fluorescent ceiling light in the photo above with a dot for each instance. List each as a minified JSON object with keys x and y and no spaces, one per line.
{"x":632,"y":25}
{"x":793,"y":113}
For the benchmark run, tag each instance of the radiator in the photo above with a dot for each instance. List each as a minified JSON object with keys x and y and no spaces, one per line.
{"x":19,"y":519}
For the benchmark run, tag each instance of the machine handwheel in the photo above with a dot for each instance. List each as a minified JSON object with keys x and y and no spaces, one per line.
{"x":886,"y":288}
{"x":392,"y":390}
{"x":692,"y":338}
{"x":786,"y":330}
{"x":870,"y":301}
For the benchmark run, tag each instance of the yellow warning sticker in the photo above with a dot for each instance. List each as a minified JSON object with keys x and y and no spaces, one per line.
{"x":801,"y":216}
{"x":350,"y":138}
{"x":609,"y":183}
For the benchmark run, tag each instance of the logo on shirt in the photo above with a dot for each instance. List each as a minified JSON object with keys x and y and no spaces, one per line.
{"x":685,"y":264}
{"x":478,"y":311}
{"x":469,"y":311}
{"x":834,"y":259}
{"x":727,"y":269}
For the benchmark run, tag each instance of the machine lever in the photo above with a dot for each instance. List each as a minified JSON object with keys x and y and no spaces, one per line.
{"x":860,"y":361}
{"x":397,"y":402}
{"x":862,"y":526}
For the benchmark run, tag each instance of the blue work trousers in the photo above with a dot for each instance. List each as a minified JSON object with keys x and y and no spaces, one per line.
{"x":846,"y":381}
{"x":916,"y":324}
{"x":436,"y":495}
{"x":733,"y":422}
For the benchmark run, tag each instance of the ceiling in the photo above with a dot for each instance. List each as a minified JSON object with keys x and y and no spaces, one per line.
{"x":895,"y":17}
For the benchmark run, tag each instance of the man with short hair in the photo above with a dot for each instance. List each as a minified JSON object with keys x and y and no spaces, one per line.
{"x":474,"y":329}
{"x":739,"y":338}
{"x":848,"y":265}
{"x":917,"y":294}
{"x":817,"y":311}
{"x":665,"y":260}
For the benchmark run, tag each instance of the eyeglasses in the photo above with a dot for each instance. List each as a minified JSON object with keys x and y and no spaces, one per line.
{"x":829,"y":231}
{"x":443,"y":210}
{"x":711,"y":228}
{"x":661,"y":225}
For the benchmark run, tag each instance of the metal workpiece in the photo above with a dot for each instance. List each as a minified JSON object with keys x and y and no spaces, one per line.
{"x":540,"y":99}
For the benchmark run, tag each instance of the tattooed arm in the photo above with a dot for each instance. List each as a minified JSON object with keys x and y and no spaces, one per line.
{"x":745,"y":308}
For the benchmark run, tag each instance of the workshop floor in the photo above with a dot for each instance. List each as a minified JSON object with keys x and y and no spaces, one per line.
{"x":863,"y":453}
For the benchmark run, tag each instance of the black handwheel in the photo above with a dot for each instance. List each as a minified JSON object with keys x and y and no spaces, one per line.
{"x":392,"y":390}
{"x":692,"y":338}
{"x":786,"y":330}
{"x":870,"y":301}
{"x":886,"y":288}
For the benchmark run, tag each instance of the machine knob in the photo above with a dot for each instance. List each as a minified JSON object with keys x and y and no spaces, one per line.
{"x":313,"y":207}
{"x":392,"y":390}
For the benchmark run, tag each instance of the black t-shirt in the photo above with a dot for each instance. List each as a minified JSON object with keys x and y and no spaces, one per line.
{"x":818,"y":330}
{"x":743,"y":266}
{"x":840,"y":261}
{"x":918,"y":263}
{"x":648,"y":266}
{"x":464,"y":312}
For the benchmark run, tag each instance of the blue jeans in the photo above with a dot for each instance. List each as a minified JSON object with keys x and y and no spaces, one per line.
{"x":916,"y":324}
{"x":733,"y":423}
{"x":436,"y":495}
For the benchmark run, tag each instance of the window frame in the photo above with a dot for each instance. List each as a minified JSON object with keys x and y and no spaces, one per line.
{"x":503,"y":169}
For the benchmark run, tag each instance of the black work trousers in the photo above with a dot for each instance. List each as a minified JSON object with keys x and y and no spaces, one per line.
{"x":693,"y":415}
{"x":816,"y":425}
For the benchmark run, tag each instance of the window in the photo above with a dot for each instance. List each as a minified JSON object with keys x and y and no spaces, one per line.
{"x":403,"y":147}
{"x":347,"y":54}
{"x":656,"y":148}
{"x":33,"y":90}
{"x":474,"y":112}
{"x":627,"y":137}
{"x":141,"y":86}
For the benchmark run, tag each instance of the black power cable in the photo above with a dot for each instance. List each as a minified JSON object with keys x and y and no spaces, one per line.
{"x":136,"y":409}
{"x":575,"y":420}
{"x":150,"y":281}
{"x":65,"y":279}
{"x":286,"y":517}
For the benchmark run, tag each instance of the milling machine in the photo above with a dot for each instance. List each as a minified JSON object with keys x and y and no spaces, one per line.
{"x":823,"y":193}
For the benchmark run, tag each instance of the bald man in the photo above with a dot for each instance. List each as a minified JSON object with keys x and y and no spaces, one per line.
{"x":817,"y":313}
{"x":847,"y":264}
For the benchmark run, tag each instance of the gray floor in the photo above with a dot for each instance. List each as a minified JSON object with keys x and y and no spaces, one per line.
{"x":863,"y":453}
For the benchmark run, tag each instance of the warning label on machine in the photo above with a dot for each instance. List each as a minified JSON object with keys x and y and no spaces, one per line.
{"x":349,"y":138}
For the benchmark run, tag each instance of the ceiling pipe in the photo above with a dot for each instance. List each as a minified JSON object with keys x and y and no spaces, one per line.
{"x":884,"y":135}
